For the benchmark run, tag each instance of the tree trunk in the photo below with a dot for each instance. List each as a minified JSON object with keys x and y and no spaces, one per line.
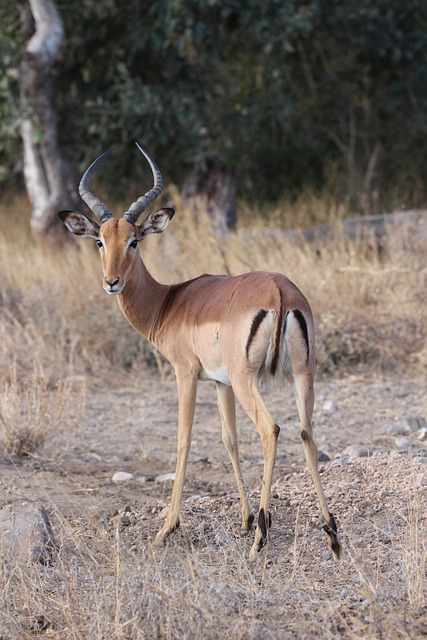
{"x":368,"y":194}
{"x":212,"y":185}
{"x":49,"y":179}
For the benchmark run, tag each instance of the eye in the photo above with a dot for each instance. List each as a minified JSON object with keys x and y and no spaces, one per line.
{"x":134,"y":244}
{"x":99,"y":243}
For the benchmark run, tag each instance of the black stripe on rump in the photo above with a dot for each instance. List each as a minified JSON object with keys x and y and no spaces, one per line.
{"x":254,"y":328}
{"x":279,"y":327}
{"x":303,"y":326}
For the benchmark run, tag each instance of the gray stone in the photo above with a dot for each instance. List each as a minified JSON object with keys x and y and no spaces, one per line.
{"x":416,"y":424}
{"x":25,"y":530}
{"x":166,"y":477}
{"x":393,"y":429}
{"x":329,"y":406}
{"x":121,"y":476}
{"x":322,"y":456}
{"x":403,"y":443}
{"x":358,"y":451}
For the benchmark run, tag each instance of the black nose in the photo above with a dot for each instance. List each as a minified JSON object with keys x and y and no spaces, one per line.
{"x":111,"y":283}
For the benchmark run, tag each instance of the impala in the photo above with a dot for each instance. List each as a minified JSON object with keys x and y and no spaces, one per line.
{"x":232,"y":330}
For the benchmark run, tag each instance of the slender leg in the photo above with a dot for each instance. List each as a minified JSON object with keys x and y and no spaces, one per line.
{"x":187,"y":386}
{"x":304,"y":394}
{"x":227,"y":411}
{"x":250,"y":399}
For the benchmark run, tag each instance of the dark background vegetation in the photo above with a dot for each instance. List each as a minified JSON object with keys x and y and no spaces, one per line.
{"x":294,"y":94}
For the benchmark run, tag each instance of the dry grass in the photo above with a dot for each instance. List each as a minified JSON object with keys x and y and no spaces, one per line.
{"x":31,"y":412}
{"x":108,"y":582}
{"x":369,"y":303}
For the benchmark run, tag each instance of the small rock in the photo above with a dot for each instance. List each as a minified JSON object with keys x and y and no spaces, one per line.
{"x":25,"y":528}
{"x":323,"y":457}
{"x":121,"y":476}
{"x":165,"y":477}
{"x":403,"y":443}
{"x":394,"y":429}
{"x":358,"y":451}
{"x":416,"y":424}
{"x":329,"y":406}
{"x":125,"y":521}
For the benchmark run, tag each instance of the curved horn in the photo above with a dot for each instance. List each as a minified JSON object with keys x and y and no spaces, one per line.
{"x":94,"y":203}
{"x":135,"y":209}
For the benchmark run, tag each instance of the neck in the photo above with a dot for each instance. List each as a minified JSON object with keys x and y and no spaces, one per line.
{"x":142,"y":300}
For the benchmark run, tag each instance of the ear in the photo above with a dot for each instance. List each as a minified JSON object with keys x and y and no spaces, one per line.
{"x":155,"y":222}
{"x":79,"y":224}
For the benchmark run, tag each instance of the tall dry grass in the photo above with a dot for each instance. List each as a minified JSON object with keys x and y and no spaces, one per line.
{"x":31,"y":412}
{"x":369,"y":303}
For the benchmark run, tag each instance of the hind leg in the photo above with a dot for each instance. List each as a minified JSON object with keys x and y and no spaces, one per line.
{"x":304,"y":394}
{"x":246,"y":391}
{"x":227,"y":412}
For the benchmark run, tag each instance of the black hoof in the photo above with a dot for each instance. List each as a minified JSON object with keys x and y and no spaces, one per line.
{"x":264,"y":523}
{"x":331,"y":529}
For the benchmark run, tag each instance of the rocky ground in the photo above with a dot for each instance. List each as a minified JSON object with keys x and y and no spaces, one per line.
{"x":117,"y":471}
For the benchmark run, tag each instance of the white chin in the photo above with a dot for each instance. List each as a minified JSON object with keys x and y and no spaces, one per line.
{"x":113,"y":292}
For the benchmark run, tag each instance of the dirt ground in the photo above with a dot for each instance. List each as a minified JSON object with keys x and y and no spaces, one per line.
{"x":374,"y":497}
{"x":134,"y":430}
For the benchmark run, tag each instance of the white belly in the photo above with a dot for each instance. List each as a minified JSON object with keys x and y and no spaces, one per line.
{"x":219,"y":375}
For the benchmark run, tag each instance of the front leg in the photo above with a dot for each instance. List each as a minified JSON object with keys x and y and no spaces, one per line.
{"x":187,"y":387}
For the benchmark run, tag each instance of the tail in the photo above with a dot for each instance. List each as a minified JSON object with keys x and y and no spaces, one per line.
{"x":288,"y":342}
{"x":297,"y":344}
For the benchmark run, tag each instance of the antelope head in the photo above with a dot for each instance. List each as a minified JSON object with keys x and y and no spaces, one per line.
{"x":118,"y":239}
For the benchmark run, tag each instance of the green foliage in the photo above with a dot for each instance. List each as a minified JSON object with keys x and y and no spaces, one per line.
{"x":284,"y":90}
